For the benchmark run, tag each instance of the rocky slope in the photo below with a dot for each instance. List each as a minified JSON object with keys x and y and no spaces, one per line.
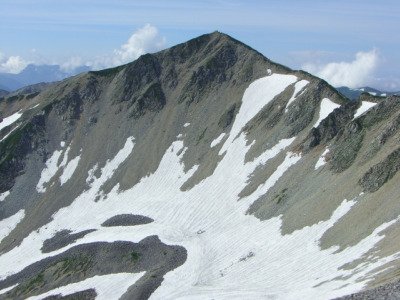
{"x":202,"y":171}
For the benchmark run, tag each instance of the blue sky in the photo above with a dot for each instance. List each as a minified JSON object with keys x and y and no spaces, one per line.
{"x":298,"y":33}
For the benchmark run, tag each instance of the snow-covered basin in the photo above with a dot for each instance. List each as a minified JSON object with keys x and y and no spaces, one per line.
{"x":230,"y":254}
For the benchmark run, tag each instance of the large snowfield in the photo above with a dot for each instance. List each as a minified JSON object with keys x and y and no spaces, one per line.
{"x":230,"y":254}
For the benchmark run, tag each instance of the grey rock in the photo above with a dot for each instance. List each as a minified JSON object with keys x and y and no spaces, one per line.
{"x":127,"y":220}
{"x":61,"y":239}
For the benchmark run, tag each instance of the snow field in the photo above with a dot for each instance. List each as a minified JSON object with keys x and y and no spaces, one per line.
{"x":231,"y":254}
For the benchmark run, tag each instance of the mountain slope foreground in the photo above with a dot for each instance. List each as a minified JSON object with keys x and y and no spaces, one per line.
{"x":202,"y":171}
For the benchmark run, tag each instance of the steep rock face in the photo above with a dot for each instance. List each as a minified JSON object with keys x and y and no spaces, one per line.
{"x":204,"y":170}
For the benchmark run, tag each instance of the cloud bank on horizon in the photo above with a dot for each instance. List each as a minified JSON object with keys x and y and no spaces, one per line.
{"x":357,"y":73}
{"x":12,"y":64}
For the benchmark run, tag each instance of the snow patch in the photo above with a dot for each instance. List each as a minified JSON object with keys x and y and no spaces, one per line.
{"x":65,"y":158}
{"x":4,"y":195}
{"x":91,"y":177}
{"x":255,"y":98}
{"x":3,"y":291}
{"x":49,"y":171}
{"x":111,"y":286}
{"x":34,"y":106}
{"x":327,"y":106}
{"x":321,"y":161}
{"x":298,"y":87}
{"x":217,"y":140}
{"x":8,"y":134}
{"x":52,"y":167}
{"x":69,"y":170}
{"x":365,"y":105}
{"x":111,"y":165}
{"x":10,"y":120}
{"x":7,"y":225}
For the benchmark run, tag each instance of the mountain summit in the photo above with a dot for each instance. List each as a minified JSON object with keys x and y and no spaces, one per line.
{"x":201,"y":171}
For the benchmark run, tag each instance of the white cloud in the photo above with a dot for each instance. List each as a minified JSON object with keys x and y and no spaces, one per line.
{"x":12,"y":64}
{"x":145,"y":40}
{"x":352,"y":74}
{"x":71,"y":64}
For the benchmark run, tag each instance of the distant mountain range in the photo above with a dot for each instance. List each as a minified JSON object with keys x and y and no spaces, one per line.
{"x":33,"y":74}
{"x":353,"y":94}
